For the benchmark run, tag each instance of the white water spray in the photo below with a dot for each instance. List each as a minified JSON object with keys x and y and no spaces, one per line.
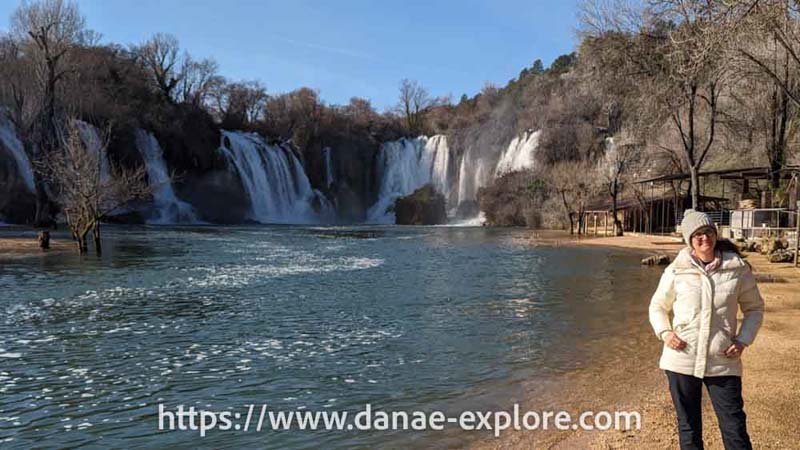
{"x":9,"y":140}
{"x":169,"y":208}
{"x":406,"y":165}
{"x":274,"y":180}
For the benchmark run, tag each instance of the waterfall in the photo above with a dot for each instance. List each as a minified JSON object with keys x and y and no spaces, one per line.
{"x":440,"y":169}
{"x":169,"y":208}
{"x":91,"y":139}
{"x":519,"y":155}
{"x":9,"y":140}
{"x":473,"y":174}
{"x":329,"y":179}
{"x":403,"y":166}
{"x":406,"y":165}
{"x":274,"y":180}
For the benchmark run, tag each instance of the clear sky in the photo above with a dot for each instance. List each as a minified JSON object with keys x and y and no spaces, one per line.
{"x":347,"y":48}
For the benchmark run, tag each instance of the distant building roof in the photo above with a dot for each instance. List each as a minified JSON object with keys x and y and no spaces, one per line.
{"x":757,"y":172}
{"x":635,"y":202}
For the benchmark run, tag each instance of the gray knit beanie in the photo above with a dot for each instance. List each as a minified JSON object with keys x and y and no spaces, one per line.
{"x":693,"y":221}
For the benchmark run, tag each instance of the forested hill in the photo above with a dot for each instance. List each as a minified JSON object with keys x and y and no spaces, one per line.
{"x":661,"y":87}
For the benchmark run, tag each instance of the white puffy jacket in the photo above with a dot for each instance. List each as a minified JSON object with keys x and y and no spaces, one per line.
{"x":704,"y":307}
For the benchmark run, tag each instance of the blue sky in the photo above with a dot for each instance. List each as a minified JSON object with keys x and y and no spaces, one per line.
{"x":347,"y":48}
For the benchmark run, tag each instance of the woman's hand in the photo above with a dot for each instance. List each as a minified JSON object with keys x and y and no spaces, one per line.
{"x":734,"y":350}
{"x":673,"y":341}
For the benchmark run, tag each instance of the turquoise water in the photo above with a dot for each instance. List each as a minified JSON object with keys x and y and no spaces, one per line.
{"x":299,"y":318}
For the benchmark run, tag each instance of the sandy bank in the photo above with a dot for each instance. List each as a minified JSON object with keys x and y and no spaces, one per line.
{"x":771,"y":384}
{"x":28,"y":246}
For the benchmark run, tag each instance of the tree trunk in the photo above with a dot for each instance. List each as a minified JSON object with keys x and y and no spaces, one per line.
{"x":47,"y":142}
{"x":96,"y":235}
{"x":42,"y":215}
{"x":777,"y":155}
{"x":36,"y":149}
{"x":694,"y":188}
{"x":41,"y":148}
{"x":617,"y":223}
{"x":81,"y":235}
{"x":44,"y":239}
{"x":569,"y":213}
{"x":81,"y":241}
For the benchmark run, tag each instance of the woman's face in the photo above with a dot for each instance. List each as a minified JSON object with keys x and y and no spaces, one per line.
{"x":704,"y":239}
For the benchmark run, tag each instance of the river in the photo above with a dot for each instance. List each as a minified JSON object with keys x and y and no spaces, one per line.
{"x":299,"y":319}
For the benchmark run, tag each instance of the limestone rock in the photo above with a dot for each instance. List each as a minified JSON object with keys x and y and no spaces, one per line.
{"x":423,"y":207}
{"x":752,"y":246}
{"x":781,"y":256}
{"x":772,"y":245}
{"x":656,"y":260}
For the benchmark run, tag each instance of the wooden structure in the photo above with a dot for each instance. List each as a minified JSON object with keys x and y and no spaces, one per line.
{"x":598,"y":222}
{"x":655,"y":214}
{"x":657,"y":205}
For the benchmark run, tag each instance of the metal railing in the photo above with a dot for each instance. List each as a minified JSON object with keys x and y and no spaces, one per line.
{"x":763,"y":222}
{"x":720,"y":217}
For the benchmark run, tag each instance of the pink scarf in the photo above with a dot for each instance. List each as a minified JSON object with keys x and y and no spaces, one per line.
{"x":711,"y":266}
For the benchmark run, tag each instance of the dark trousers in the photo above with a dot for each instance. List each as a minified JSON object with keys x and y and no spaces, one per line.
{"x":726,"y":396}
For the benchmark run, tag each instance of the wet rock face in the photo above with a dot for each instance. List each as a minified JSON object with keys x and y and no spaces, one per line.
{"x":350,"y":205}
{"x":16,"y":205}
{"x":352,"y":158}
{"x":190,"y":141}
{"x":17,"y":202}
{"x":217,"y":196}
{"x":201,"y":175}
{"x":424,"y":206}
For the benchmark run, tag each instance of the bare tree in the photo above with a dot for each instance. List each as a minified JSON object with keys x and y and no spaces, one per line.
{"x":361,"y":112}
{"x":85,"y":196}
{"x":159,"y":55}
{"x":238,"y":104}
{"x":675,"y":57}
{"x":573,"y":183}
{"x":694,"y":78}
{"x":622,"y":155}
{"x":297,"y":115}
{"x":196,"y":80}
{"x":767,"y":45}
{"x":17,"y":90}
{"x":47,"y":30}
{"x":620,"y":16}
{"x":413,"y":102}
{"x":777,"y":19}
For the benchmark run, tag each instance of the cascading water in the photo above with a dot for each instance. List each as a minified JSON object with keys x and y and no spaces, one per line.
{"x":91,"y":139}
{"x":9,"y":140}
{"x":329,"y":178}
{"x":274,"y":180}
{"x":440,"y":169}
{"x":169,"y":208}
{"x":519,"y":155}
{"x":473,"y":174}
{"x":406,"y":165}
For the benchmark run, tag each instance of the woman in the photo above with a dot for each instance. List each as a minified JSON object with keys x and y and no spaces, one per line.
{"x":703,"y":288}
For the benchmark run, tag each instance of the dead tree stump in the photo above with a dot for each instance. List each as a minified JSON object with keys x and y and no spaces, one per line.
{"x":44,"y":239}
